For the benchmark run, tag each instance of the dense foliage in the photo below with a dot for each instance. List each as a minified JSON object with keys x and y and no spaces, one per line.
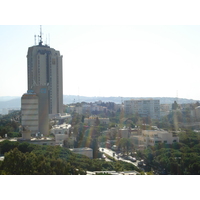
{"x":9,"y":124}
{"x":178,"y":158}
{"x":37,"y":159}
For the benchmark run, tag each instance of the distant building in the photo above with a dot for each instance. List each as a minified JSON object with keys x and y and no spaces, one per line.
{"x":152,"y":137}
{"x":143,"y":107}
{"x":92,"y":120}
{"x":124,"y":133}
{"x":197,"y":113}
{"x":12,"y":110}
{"x":39,"y":141}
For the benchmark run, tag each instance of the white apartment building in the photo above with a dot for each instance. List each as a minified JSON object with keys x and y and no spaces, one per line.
{"x":44,"y":65}
{"x":151,"y":137}
{"x":144,"y":107}
{"x":61,"y":133}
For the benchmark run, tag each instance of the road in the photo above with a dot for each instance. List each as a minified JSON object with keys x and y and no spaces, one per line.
{"x":110,"y":153}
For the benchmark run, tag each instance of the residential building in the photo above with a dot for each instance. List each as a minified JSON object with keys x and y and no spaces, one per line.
{"x":124,"y":133}
{"x":92,"y":120}
{"x":143,"y":107}
{"x":63,"y":133}
{"x":151,"y":137}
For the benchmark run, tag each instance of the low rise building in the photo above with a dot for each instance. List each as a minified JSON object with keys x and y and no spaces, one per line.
{"x":83,"y":151}
{"x":39,"y":141}
{"x":62,"y":133}
{"x":152,"y":137}
{"x":124,"y":133}
{"x":92,"y":120}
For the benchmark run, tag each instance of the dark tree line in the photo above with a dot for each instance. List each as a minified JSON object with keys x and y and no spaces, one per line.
{"x":181,"y":158}
{"x":25,"y":158}
{"x":9,"y":124}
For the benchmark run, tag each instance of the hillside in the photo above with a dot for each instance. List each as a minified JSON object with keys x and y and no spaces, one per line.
{"x":15,"y":102}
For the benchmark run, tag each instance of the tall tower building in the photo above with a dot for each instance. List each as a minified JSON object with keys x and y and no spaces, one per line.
{"x":44,"y":67}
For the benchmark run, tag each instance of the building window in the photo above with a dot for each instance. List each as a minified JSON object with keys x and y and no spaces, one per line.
{"x":53,"y":61}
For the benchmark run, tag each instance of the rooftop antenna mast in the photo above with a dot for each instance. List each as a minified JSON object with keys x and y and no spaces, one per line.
{"x":177,"y":96}
{"x":35,"y":39}
{"x":49,"y":39}
{"x":40,"y":35}
{"x":78,"y":96}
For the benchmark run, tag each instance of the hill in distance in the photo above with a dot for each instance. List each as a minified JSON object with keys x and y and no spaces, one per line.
{"x":15,"y":102}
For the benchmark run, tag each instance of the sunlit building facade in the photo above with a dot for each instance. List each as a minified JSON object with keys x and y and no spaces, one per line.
{"x":143,"y":107}
{"x":44,"y":67}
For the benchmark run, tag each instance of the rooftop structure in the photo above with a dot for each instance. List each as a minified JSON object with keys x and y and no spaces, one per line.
{"x":84,"y":151}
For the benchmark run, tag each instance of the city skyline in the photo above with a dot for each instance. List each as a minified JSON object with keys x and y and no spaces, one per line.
{"x":135,"y":61}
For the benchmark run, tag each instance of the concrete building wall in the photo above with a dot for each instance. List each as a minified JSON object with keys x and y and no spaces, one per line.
{"x":43,"y":108}
{"x":29,"y":112}
{"x":83,"y":151}
{"x":60,"y":84}
{"x":125,"y":133}
{"x":35,"y":110}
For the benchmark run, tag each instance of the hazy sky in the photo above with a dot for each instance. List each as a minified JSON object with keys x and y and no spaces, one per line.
{"x":98,"y":60}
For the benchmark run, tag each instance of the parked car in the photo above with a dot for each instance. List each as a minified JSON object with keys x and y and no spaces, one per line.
{"x":130,"y":158}
{"x":134,"y":159}
{"x":114,"y":147}
{"x":140,"y":164}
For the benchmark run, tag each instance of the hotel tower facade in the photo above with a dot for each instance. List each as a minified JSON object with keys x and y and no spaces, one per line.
{"x":44,"y":68}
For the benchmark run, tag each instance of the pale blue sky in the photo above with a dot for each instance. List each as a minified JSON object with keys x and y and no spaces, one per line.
{"x":136,"y":61}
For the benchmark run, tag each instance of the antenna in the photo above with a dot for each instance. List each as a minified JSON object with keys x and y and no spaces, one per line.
{"x":176,"y":96}
{"x":122,"y":100}
{"x":49,"y":39}
{"x":78,"y":96}
{"x":40,"y":43}
{"x":35,"y":39}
